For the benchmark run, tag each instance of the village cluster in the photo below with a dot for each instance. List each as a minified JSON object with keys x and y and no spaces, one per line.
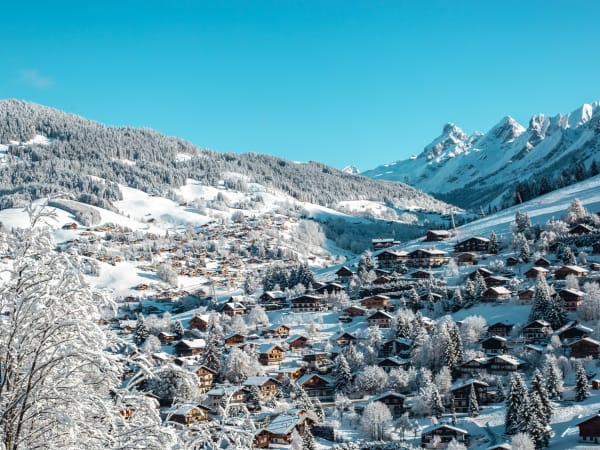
{"x":370,"y":352}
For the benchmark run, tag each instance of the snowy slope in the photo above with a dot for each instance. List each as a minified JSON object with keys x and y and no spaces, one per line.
{"x":475,"y":169}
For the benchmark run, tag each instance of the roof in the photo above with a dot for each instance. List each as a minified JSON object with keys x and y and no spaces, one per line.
{"x":294,"y":337}
{"x":395,"y":360}
{"x":539,"y":269}
{"x":275,"y":294}
{"x":477,"y":238}
{"x":380,"y":313}
{"x":509,"y":359}
{"x":258,"y":380}
{"x":265,"y":348}
{"x":462,"y":383}
{"x":500,"y":290}
{"x":284,"y":424}
{"x":192,"y":343}
{"x":495,"y":338}
{"x":588,"y":419}
{"x":385,"y":394}
{"x":574,"y":268}
{"x":183,"y":410}
{"x":576,"y":292}
{"x":304,"y":378}
{"x":437,"y":426}
{"x":586,"y":339}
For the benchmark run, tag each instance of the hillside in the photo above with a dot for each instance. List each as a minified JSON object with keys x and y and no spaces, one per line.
{"x":472,"y":171}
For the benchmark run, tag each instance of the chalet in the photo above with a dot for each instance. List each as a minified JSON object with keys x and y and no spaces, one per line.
{"x":316,"y":360}
{"x":526,"y":296}
{"x":496,"y":294}
{"x":383,"y":280}
{"x":537,"y":331}
{"x":190,"y":347}
{"x":430,"y":257}
{"x":422,"y":275}
{"x":396,"y":347}
{"x":467,"y":259}
{"x":354,"y":311}
{"x":437,"y":235}
{"x":497,"y":280}
{"x":166,"y":337}
{"x":499,"y":329}
{"x":534,"y":272}
{"x":188,"y":414}
{"x":344,"y":274}
{"x":542,"y":262}
{"x":433,"y":297}
{"x":308,"y":303}
{"x":391,"y":259}
{"x":476,"y":366}
{"x":440,"y":435}
{"x":233,"y":309}
{"x":161,"y":358}
{"x":503,"y":364}
{"x":330,"y":288}
{"x":581,"y":228}
{"x":268,"y":386}
{"x":297,"y":342}
{"x":278,"y":432}
{"x":293,"y":373}
{"x":376,"y":302}
{"x":226,"y":394}
{"x":393,"y":400}
{"x":316,"y":385}
{"x":233,"y":339}
{"x":393,"y":362}
{"x":379,"y":244}
{"x":494,"y":345}
{"x":473,"y":244}
{"x":585,"y":348}
{"x":141,"y":287}
{"x":589,"y":430}
{"x":461,"y":391}
{"x":344,"y":339}
{"x":564,"y":271}
{"x":206,"y":377}
{"x":200,"y":322}
{"x":573,"y":331}
{"x":273,"y":297}
{"x":571,"y":298}
{"x":382,"y":272}
{"x":281,"y":331}
{"x":269,"y":354}
{"x":69,"y":226}
{"x":485,"y":273}
{"x":381,"y":319}
{"x":512,"y":261}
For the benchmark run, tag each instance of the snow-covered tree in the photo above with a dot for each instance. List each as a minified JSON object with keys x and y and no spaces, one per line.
{"x":493,"y":244}
{"x":178,"y":329}
{"x":538,"y":384}
{"x":141,"y":333}
{"x":342,"y":375}
{"x":537,"y":421}
{"x":172,"y":384}
{"x":554,"y":384}
{"x":354,"y":357}
{"x":437,"y":407}
{"x":167,"y":274}
{"x":211,"y":357}
{"x":372,"y":379}
{"x":516,"y":405}
{"x":581,"y":387}
{"x":375,"y":418}
{"x":308,"y":440}
{"x":151,"y":345}
{"x":541,"y":299}
{"x":522,"y":441}
{"x":576,"y":212}
{"x":296,"y":442}
{"x":590,"y":307}
{"x":455,"y":445}
{"x":257,"y":317}
{"x":473,"y":404}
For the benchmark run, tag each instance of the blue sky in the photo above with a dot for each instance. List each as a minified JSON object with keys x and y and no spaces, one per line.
{"x":343,"y":82}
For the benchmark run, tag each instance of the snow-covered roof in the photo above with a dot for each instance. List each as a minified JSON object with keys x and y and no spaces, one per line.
{"x":257,"y":380}
{"x":437,"y":426}
{"x":385,"y":394}
{"x":510,"y":359}
{"x":265,"y":348}
{"x":193,"y":343}
{"x":284,"y":424}
{"x":462,"y":383}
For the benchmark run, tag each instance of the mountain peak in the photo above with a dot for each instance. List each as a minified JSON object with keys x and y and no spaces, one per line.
{"x":352,"y":170}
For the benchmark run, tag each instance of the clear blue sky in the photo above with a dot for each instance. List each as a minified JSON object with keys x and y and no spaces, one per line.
{"x":343,"y":82}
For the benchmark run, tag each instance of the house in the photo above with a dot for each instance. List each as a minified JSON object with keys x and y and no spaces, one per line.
{"x":166,"y":337}
{"x":393,"y":400}
{"x":496,"y":294}
{"x":206,"y":377}
{"x":422,"y":275}
{"x":381,"y":319}
{"x":308,"y":303}
{"x":526,"y":296}
{"x":188,"y":414}
{"x":430,"y":257}
{"x":234,"y":339}
{"x":330,"y":288}
{"x":499,"y":329}
{"x":190,"y":347}
{"x":503,"y":364}
{"x":217,"y":396}
{"x":393,"y":362}
{"x":293,"y":373}
{"x":281,"y":331}
{"x":512,"y":261}
{"x":564,"y":271}
{"x":297,"y":342}
{"x":475,"y":366}
{"x":438,"y":436}
{"x":316,"y":360}
{"x":485,"y":273}
{"x":344,"y":339}
{"x":467,"y":259}
{"x":589,"y":430}
{"x":537,"y":331}
{"x":497,"y":280}
{"x":273,"y":297}
{"x":344,"y":274}
{"x":585,"y":348}
{"x":573,"y":331}
{"x":571,"y":298}
{"x":391,"y":259}
{"x":269,"y":354}
{"x":354,"y":311}
{"x":200,"y":322}
{"x":278,"y":432}
{"x":542,"y":262}
{"x":379,"y":244}
{"x":69,"y":226}
{"x":437,"y":235}
{"x":581,"y":228}
{"x":534,"y":272}
{"x":382,"y":280}
{"x":267,"y":386}
{"x":376,"y":302}
{"x":473,"y":244}
{"x":316,"y":385}
{"x":461,"y":390}
{"x":494,"y":345}
{"x":233,"y":309}
{"x":396,"y":347}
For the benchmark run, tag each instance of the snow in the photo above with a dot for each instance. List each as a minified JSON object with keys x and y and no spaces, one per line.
{"x":38,"y":139}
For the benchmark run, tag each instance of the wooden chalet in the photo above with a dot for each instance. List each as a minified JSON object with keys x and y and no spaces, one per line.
{"x":573,"y":331}
{"x":526,"y":296}
{"x":589,"y":430}
{"x":354,"y":311}
{"x":485,"y":273}
{"x":571,"y":298}
{"x":396,"y":347}
{"x":273,"y":297}
{"x":381,"y":319}
{"x":475,"y":366}
{"x":461,"y":390}
{"x":278,"y":432}
{"x":190,"y":347}
{"x":316,"y":360}
{"x":266,"y":385}
{"x":581,"y":228}
{"x":503,"y":364}
{"x":233,"y":309}
{"x":494,"y":345}
{"x":440,"y":435}
{"x":467,"y":259}
{"x":376,"y":302}
{"x":344,"y":339}
{"x":585,"y":348}
{"x":393,"y":400}
{"x":564,"y":271}
{"x":383,"y":280}
{"x":499,"y":329}
{"x":330,"y":288}
{"x":422,"y":275}
{"x":308,"y":303}
{"x":473,"y":244}
{"x":233,"y":339}
{"x":189,"y":414}
{"x":429,"y":257}
{"x":293,"y":373}
{"x":297,"y":342}
{"x":269,"y":354}
{"x":393,"y":362}
{"x":534,"y":272}
{"x":217,"y":396}
{"x":200,"y":322}
{"x":166,"y":337}
{"x":437,"y":235}
{"x":497,"y":280}
{"x":512,"y":261}
{"x":379,"y":244}
{"x":537,"y":331}
{"x":206,"y":377}
{"x":281,"y":331}
{"x":391,"y":259}
{"x":542,"y":262}
{"x":496,"y":294}
{"x":317,"y":386}
{"x":344,"y":274}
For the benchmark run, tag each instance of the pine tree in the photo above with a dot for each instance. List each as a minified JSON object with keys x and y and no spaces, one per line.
{"x":254,"y":397}
{"x":211,"y":357}
{"x":308,"y":440}
{"x":437,"y":407}
{"x":538,"y":384}
{"x":479,"y":285}
{"x":493,"y":244}
{"x":342,"y":375}
{"x":457,"y":300}
{"x":541,"y":299}
{"x":555,"y":313}
{"x":537,"y":421}
{"x":141,"y":332}
{"x":594,"y":169}
{"x":581,"y":387}
{"x":567,"y":256}
{"x":500,"y":395}
{"x":553,"y":380}
{"x":473,"y":404}
{"x":516,"y":405}
{"x":178,"y":329}
{"x":525,"y":252}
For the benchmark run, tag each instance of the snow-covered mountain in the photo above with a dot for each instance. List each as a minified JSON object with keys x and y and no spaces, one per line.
{"x":483,"y":169}
{"x":352,"y":170}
